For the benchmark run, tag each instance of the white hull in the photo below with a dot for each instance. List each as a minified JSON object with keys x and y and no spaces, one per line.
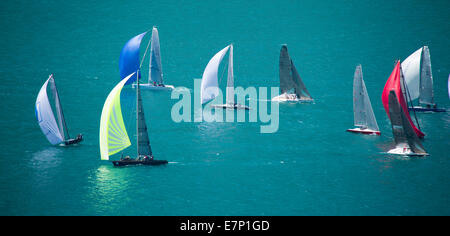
{"x":232,"y":106}
{"x":364,"y":131}
{"x":290,"y":98}
{"x":152,"y":87}
{"x":405,"y":150}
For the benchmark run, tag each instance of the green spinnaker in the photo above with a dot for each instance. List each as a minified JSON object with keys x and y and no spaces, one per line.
{"x":113,"y":134}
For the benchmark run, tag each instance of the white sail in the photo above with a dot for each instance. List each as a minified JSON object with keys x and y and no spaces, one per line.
{"x":210,"y":84}
{"x":230,"y":81}
{"x":411,"y":72}
{"x":362,"y":108}
{"x":59,"y":113}
{"x":46,"y":118}
{"x":155,"y":67}
{"x":426,"y":79}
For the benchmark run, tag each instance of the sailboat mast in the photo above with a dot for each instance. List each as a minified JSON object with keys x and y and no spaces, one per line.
{"x":137,"y":114}
{"x":137,"y":97}
{"x":230,"y":81}
{"x":150,"y":60}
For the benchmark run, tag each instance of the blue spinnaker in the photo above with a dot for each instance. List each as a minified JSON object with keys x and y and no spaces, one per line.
{"x":129,"y":58}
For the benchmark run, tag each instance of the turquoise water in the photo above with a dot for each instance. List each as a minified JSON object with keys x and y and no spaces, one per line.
{"x":311,"y":166}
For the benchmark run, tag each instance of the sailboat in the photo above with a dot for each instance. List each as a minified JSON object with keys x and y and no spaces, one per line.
{"x":406,"y":140}
{"x":55,"y":132}
{"x":419,"y":80}
{"x":113,"y":134}
{"x":291,"y":85}
{"x":129,"y":62}
{"x":210,"y":82}
{"x":363,"y":113}
{"x":397,"y":84}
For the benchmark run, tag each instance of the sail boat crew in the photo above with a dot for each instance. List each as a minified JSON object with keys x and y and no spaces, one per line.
{"x":129,"y":62}
{"x":113,"y":134}
{"x":364,"y":118}
{"x":406,"y":140}
{"x":394,"y":83}
{"x":55,"y":132}
{"x":417,"y":73}
{"x":210,"y":82}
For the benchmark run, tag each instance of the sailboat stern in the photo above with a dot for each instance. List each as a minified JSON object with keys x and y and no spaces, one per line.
{"x":74,"y":141}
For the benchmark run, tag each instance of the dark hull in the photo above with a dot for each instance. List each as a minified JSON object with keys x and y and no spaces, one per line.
{"x":139,"y":162}
{"x":73,"y":141}
{"x":426,"y":109}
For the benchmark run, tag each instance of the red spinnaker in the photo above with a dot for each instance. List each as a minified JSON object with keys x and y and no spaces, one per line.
{"x":393,"y":83}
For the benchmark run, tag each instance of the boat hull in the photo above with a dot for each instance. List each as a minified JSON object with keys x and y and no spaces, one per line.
{"x":73,"y":141}
{"x":405,"y":151}
{"x":364,"y":131}
{"x":152,"y":87}
{"x":133,"y":162}
{"x":426,"y":109}
{"x":290,"y":98}
{"x":231,"y":106}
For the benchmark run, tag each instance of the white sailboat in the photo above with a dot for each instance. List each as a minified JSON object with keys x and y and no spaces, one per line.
{"x":113,"y":134}
{"x":55,"y":132}
{"x":210,"y":82}
{"x":406,"y":140}
{"x":291,"y":85}
{"x":364,"y":117}
{"x":130,"y":62}
{"x":418,"y":76}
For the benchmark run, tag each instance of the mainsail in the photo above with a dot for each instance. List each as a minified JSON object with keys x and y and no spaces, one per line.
{"x":426,"y":79}
{"x":143,"y":143}
{"x":286,"y":82}
{"x":417,"y":73}
{"x":230,"y":80}
{"x":289,"y":76}
{"x":155,"y":67}
{"x":362,"y":108}
{"x":401,"y":128}
{"x":394,"y":83}
{"x":46,"y":118}
{"x":129,"y":58}
{"x":113,"y":134}
{"x":210,"y":84}
{"x":59,"y":112}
